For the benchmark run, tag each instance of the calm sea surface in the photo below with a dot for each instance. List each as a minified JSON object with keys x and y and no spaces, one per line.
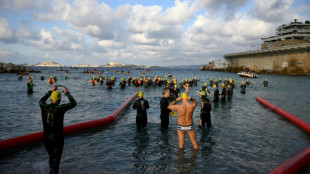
{"x":245,"y":137}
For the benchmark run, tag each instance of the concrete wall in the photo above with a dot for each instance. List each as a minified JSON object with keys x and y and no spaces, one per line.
{"x":270,"y":45}
{"x":273,"y":60}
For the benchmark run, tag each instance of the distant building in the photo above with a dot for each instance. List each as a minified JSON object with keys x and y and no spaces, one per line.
{"x":220,"y":64}
{"x":289,"y":48}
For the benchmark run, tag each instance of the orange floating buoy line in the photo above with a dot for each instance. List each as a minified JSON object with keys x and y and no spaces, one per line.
{"x":38,"y":136}
{"x":299,"y":122}
{"x":297,"y":162}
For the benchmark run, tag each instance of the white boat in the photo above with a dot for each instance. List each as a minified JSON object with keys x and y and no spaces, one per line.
{"x":248,"y":74}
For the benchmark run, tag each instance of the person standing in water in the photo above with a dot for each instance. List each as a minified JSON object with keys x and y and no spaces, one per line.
{"x":52,"y":118}
{"x":164,"y":111}
{"x":205,"y":115}
{"x":265,"y":82}
{"x":141,"y":105}
{"x":243,"y":86}
{"x":30,"y":86}
{"x":185,"y":119}
{"x":215,"y":94}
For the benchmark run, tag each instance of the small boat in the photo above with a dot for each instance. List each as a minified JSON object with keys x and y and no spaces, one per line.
{"x":247,"y":74}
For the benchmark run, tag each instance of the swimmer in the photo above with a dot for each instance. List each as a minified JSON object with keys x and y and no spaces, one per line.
{"x":52,"y":118}
{"x":243,"y":86}
{"x":229,"y":92}
{"x":185,"y":119}
{"x":51,"y":80}
{"x":224,"y":93}
{"x":164,"y":111}
{"x":175,"y":92}
{"x":66,"y":77}
{"x":141,"y":105}
{"x":215,"y":94}
{"x":205,"y":88}
{"x":122,"y":84}
{"x":30,"y":86}
{"x":205,"y":115}
{"x":41,"y":77}
{"x":265,"y":83}
{"x":211,"y":81}
{"x":20,"y":77}
{"x":93,"y":81}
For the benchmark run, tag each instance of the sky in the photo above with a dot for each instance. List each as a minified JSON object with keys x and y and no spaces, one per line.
{"x":141,"y":32}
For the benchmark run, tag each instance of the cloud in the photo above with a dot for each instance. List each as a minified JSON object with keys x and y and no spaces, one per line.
{"x":272,"y":10}
{"x":6,"y":32}
{"x":227,"y":8}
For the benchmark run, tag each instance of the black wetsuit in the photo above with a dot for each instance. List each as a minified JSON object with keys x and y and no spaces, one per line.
{"x":243,"y":88}
{"x":52,"y":118}
{"x":205,"y":114}
{"x":211,"y":82}
{"x":30,"y":87}
{"x":164,"y":112}
{"x":175,"y":93}
{"x":141,"y":119}
{"x":122,"y":84}
{"x":265,"y":83}
{"x":229,"y":93}
{"x":216,"y":95}
{"x":205,"y":88}
{"x":223,"y":94}
{"x":216,"y":83}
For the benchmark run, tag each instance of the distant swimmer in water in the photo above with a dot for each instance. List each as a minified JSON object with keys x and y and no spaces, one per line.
{"x":20,"y":77}
{"x":141,"y":105}
{"x":122,"y":84}
{"x":30,"y":77}
{"x":93,"y":81}
{"x":109,"y":83}
{"x":52,"y":118}
{"x":55,"y":78}
{"x":51,"y":80}
{"x":243,"y":86}
{"x":66,"y":77}
{"x":265,"y":82}
{"x":211,"y":82}
{"x":175,"y":92}
{"x":247,"y":83}
{"x":41,"y":77}
{"x":185,"y":119}
{"x":164,"y":111}
{"x":205,"y":88}
{"x":205,"y":115}
{"x":30,"y":86}
{"x":215,"y":94}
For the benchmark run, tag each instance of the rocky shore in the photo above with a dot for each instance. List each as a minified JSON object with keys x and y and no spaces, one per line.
{"x":12,"y":68}
{"x":294,"y":71}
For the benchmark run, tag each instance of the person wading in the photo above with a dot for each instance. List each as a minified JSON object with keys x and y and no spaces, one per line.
{"x":185,"y":119}
{"x":52,"y":118}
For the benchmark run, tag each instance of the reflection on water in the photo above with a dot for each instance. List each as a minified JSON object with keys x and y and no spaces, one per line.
{"x":186,"y":163}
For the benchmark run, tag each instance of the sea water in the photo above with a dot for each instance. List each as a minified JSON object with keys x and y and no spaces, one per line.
{"x":245,"y":137}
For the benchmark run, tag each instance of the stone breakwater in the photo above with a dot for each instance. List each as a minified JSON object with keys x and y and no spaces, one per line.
{"x":12,"y":68}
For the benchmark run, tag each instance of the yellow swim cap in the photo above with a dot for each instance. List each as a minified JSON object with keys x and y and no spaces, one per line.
{"x":184,"y":95}
{"x":214,"y":86}
{"x":206,"y":84}
{"x":140,"y":94}
{"x":55,"y":95}
{"x":203,"y":93}
{"x":223,"y":84}
{"x":172,"y":114}
{"x":175,"y":86}
{"x":242,"y":82}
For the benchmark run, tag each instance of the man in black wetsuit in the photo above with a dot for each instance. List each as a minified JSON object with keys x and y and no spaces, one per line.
{"x":205,"y":115}
{"x":243,"y":86}
{"x":141,"y":105}
{"x":215,"y":94}
{"x":52,"y":118}
{"x":223,"y":94}
{"x":164,"y":111}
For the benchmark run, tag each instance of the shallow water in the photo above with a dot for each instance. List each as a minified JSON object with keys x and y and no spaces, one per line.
{"x":245,"y":137}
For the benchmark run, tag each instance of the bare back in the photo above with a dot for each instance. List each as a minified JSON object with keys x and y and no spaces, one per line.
{"x":185,"y":112}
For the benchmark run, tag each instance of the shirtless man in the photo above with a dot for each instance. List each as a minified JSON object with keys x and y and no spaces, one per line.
{"x":185,"y":119}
